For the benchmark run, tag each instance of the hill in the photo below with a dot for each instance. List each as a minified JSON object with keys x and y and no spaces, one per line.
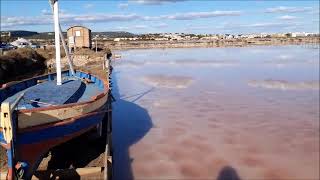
{"x":114,"y":34}
{"x":22,"y":33}
{"x":50,"y":35}
{"x":44,"y":35}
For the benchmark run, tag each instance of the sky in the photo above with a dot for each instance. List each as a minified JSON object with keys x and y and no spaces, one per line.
{"x":164,"y":16}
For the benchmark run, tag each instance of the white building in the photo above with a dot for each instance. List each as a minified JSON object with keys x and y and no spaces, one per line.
{"x":210,"y":38}
{"x":161,"y":39}
{"x":21,"y":43}
{"x":299,"y":34}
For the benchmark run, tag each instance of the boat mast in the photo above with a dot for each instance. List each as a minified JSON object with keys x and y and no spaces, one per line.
{"x":57,"y":40}
{"x":66,"y":50}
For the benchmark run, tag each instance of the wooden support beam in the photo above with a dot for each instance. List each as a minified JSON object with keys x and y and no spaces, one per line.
{"x":6,"y":118}
{"x":69,"y":173}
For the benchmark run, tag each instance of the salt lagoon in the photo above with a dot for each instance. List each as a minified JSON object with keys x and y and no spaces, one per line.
{"x":205,"y":113}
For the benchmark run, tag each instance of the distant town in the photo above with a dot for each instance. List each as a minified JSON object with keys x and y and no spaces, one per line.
{"x":124,"y":40}
{"x":183,"y":36}
{"x":126,"y":36}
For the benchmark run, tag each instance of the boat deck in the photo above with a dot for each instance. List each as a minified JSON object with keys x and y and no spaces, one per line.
{"x":48,"y":93}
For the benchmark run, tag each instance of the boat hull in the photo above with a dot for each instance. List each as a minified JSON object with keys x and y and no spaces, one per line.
{"x":33,"y":144}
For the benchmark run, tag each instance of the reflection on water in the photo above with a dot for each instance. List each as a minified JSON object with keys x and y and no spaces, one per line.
{"x":208,"y":113}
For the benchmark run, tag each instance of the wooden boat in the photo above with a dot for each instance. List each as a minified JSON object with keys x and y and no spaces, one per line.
{"x":42,"y":112}
{"x":36,"y":117}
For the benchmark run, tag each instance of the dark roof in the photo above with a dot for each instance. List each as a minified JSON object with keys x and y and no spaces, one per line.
{"x":78,"y":26}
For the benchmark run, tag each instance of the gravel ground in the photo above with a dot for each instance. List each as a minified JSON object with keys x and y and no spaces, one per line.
{"x":3,"y":159}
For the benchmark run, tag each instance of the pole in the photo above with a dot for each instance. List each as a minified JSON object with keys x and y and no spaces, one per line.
{"x":57,"y":40}
{"x":96,"y":45}
{"x":66,"y":50}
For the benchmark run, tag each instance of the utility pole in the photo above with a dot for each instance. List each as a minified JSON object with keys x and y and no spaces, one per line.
{"x":96,"y":43}
{"x":96,"y":46}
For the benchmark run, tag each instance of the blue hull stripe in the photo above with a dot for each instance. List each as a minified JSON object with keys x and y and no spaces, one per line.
{"x":10,"y":159}
{"x":59,"y":131}
{"x":2,"y":138}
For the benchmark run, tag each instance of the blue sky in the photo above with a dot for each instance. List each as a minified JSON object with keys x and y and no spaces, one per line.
{"x":157,"y":16}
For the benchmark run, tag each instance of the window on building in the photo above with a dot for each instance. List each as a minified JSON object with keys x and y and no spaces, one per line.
{"x":78,"y":33}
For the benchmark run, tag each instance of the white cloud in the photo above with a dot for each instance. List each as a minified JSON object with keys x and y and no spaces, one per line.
{"x":15,"y":21}
{"x":286,"y":9}
{"x":67,"y":18}
{"x":140,"y":27}
{"x":160,"y":25}
{"x":198,"y":15}
{"x":7,"y":21}
{"x":287,"y":18}
{"x":315,"y":12}
{"x":192,"y":15}
{"x":192,"y":28}
{"x":99,"y":18}
{"x":155,"y":2}
{"x":153,"y":18}
{"x":120,"y":28}
{"x":88,"y":6}
{"x":269,"y":24}
{"x":127,"y":28}
{"x":46,"y":12}
{"x":123,"y":5}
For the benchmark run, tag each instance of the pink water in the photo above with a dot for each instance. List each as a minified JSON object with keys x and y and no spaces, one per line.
{"x":189,"y":113}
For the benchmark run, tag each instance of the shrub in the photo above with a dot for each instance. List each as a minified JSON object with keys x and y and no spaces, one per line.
{"x":18,"y":62}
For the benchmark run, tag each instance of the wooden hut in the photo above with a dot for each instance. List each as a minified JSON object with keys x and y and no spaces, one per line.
{"x":79,"y":37}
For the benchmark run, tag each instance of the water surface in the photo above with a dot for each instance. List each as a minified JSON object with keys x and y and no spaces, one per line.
{"x":190,"y":113}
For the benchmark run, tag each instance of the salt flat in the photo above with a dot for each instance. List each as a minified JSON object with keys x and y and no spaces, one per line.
{"x":190,"y":113}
